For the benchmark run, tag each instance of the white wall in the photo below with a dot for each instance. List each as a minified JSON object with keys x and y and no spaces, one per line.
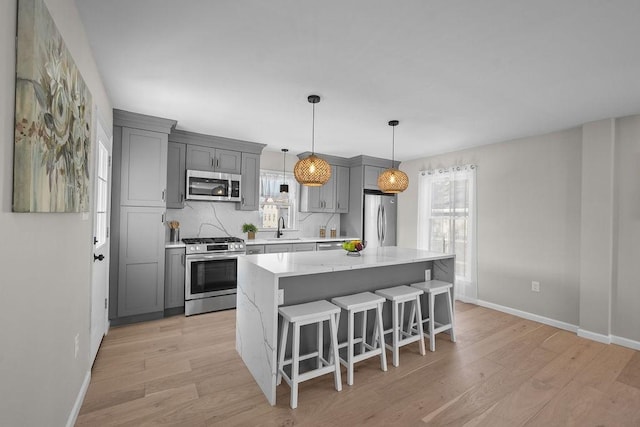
{"x":626,"y":291}
{"x":528,"y":220}
{"x":45,"y":262}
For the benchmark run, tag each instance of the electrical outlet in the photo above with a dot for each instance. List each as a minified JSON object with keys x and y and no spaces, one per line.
{"x":77,"y":345}
{"x":427,"y":275}
{"x":535,"y":286}
{"x":280,"y":296}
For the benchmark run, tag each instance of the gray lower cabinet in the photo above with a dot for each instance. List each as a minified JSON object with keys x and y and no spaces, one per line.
{"x":303,"y":247}
{"x":174,"y":278}
{"x":250,"y":185}
{"x":143,"y":168}
{"x":141,"y":260}
{"x":277,"y":248}
{"x":255,"y":249}
{"x":176,"y":175}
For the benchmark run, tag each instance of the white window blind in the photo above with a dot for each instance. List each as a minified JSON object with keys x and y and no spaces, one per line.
{"x":447,"y":221}
{"x":273,"y":204}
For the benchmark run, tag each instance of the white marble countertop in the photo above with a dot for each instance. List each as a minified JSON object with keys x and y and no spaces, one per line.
{"x":302,"y":263}
{"x":274,"y":241}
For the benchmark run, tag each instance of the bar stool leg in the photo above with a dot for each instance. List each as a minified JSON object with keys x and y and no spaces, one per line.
{"x":320,"y":344}
{"x":380,"y":327}
{"x":295,"y":356}
{"x":350,"y":349}
{"x":416,"y":303}
{"x":451,"y":315}
{"x":333,"y":328}
{"x":364,"y":331}
{"x":283,"y":347}
{"x":432,"y":338}
{"x":394,"y":333}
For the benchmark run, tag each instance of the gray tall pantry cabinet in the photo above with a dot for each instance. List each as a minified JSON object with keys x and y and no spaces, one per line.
{"x":140,"y":192}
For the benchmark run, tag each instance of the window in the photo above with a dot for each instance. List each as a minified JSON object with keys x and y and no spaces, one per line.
{"x":273,"y":204}
{"x":102,"y":195}
{"x":446,"y":221}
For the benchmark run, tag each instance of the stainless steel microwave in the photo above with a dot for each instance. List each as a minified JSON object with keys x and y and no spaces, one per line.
{"x":213,"y":186}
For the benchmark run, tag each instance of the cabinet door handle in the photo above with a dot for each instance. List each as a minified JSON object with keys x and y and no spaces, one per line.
{"x":242,"y":200}
{"x":213,"y":164}
{"x":163,"y":193}
{"x":181,"y":197}
{"x":182,"y":259}
{"x":217,"y":162}
{"x":163,"y":218}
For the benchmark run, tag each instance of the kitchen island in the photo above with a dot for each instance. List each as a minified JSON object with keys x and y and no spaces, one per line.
{"x":268,"y":280}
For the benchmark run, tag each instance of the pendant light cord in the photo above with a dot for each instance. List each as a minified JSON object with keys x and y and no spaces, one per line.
{"x":393,"y":146}
{"x":313,"y":128}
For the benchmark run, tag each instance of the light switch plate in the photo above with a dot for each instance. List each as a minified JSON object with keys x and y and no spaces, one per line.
{"x":427,"y":275}
{"x":280,"y":296}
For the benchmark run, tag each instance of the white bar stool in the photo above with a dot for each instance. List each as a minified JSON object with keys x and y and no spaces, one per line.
{"x":306,"y":314}
{"x":399,"y":296}
{"x":433,"y":288}
{"x":361,"y":303}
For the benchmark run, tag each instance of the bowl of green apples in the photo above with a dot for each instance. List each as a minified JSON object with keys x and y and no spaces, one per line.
{"x":353,"y":247}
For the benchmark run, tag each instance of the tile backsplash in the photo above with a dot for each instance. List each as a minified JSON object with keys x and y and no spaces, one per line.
{"x":217,"y":219}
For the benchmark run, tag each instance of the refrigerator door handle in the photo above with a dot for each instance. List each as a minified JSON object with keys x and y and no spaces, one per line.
{"x":384,"y":224}
{"x":379,"y":221}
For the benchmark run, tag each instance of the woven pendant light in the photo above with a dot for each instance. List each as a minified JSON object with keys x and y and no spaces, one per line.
{"x":312,"y":171}
{"x":393,"y":180}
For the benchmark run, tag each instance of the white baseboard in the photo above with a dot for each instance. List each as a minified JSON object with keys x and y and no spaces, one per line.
{"x":605,"y":339}
{"x":73,"y":416}
{"x":529,"y":316}
{"x":625,"y":342}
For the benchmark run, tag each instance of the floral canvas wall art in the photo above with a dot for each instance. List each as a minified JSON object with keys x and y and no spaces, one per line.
{"x":52,"y":119}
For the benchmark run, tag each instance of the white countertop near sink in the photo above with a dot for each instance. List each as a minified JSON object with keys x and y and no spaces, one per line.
{"x":274,"y":241}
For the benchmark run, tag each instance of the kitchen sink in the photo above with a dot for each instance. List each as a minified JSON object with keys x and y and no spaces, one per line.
{"x":283,"y":239}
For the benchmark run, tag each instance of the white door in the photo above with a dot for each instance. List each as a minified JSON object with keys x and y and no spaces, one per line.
{"x":100,"y":271}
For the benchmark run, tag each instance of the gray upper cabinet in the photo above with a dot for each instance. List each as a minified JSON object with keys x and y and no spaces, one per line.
{"x":228,"y":161}
{"x":371,"y":174}
{"x":176,"y":165}
{"x":333,"y":197}
{"x":213,"y":159}
{"x":250,"y":185}
{"x":174,"y":278}
{"x":141,"y":260}
{"x":144,"y":168}
{"x":342,"y":189}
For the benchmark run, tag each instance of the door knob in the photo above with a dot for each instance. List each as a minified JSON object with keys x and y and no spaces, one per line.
{"x":98,"y":257}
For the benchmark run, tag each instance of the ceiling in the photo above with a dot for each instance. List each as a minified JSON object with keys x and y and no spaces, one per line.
{"x":455,"y":74}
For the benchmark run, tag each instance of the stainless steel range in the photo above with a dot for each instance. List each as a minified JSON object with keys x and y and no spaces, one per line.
{"x":211,"y":273}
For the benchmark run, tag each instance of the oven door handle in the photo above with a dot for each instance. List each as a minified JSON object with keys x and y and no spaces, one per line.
{"x":203,"y":257}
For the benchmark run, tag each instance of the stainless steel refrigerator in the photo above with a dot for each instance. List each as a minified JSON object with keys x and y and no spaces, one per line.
{"x":379,"y":220}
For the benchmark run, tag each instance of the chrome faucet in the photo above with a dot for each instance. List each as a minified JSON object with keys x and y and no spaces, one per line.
{"x":279,"y":232}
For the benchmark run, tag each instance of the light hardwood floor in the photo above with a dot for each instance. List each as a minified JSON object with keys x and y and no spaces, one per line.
{"x":503,"y":371}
